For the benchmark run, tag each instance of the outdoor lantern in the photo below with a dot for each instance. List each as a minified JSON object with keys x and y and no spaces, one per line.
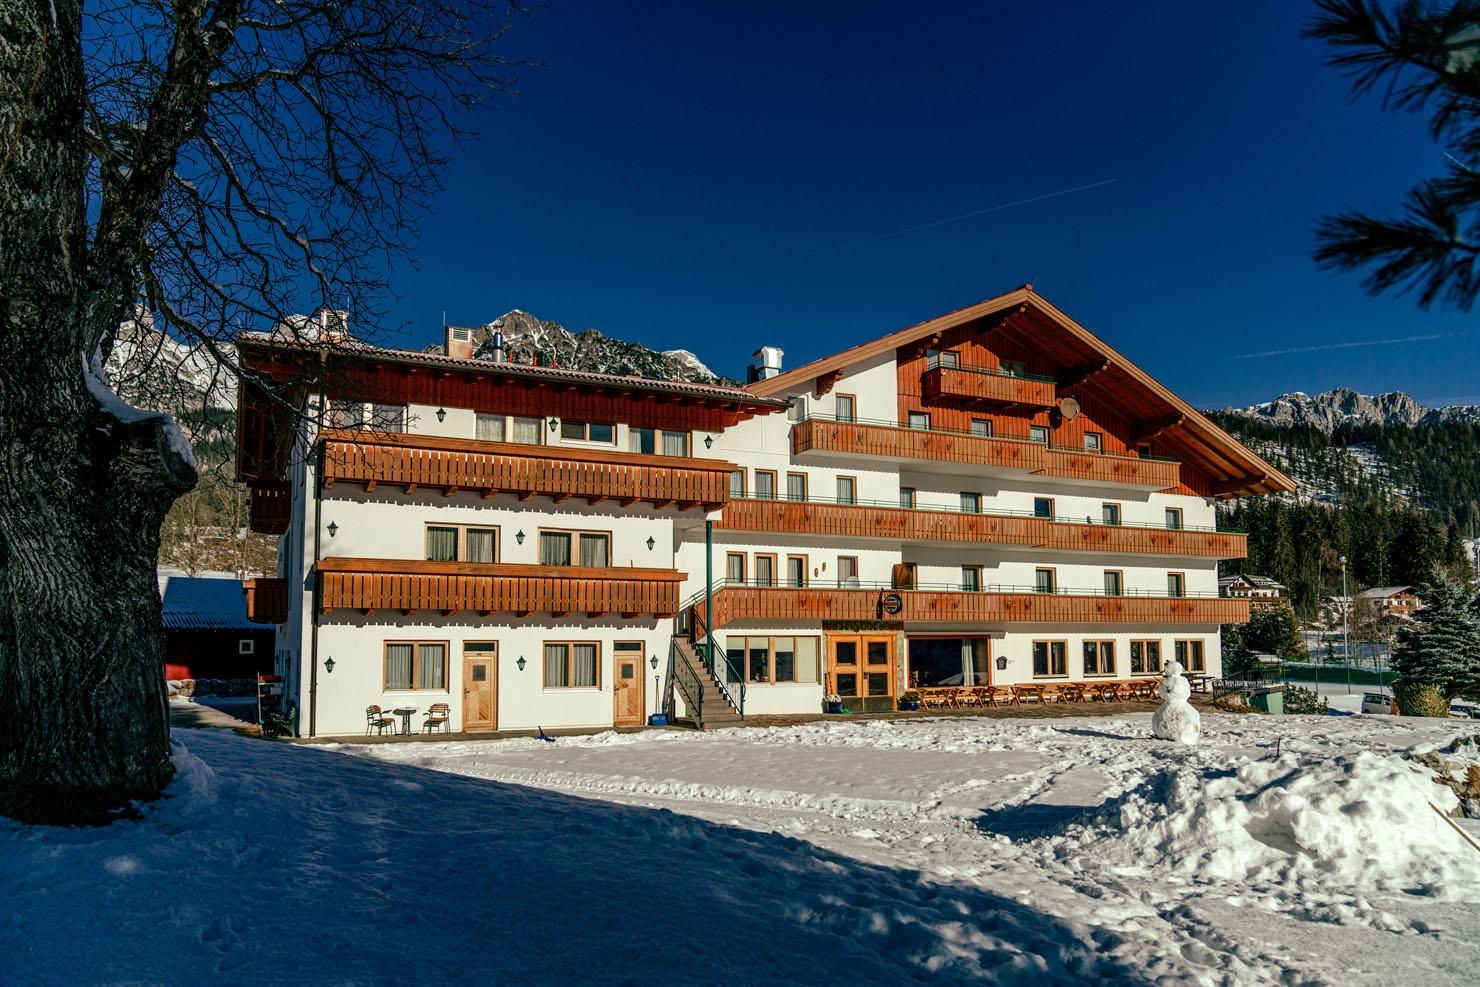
{"x":651,"y":543}
{"x":332,"y":528}
{"x":709,"y":442}
{"x":553,"y":423}
{"x":329,"y":664}
{"x":520,"y":663}
{"x":519,"y":536}
{"x":1001,"y":662}
{"x":653,"y":661}
{"x":441,"y":414}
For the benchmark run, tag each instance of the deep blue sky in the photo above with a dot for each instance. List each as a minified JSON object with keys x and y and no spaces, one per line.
{"x":669,"y":172}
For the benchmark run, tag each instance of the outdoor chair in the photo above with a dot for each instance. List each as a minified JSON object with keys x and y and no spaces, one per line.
{"x":439,"y":717}
{"x":378,"y":721}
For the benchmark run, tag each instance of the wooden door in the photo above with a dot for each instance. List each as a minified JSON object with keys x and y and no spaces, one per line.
{"x":628,"y":691}
{"x":480,"y":693}
{"x":860,"y":671}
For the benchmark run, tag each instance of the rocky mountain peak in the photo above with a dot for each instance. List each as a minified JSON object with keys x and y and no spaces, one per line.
{"x":1343,"y":406}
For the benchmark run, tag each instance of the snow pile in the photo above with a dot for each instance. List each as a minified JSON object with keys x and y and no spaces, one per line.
{"x":1362,"y":821}
{"x":96,"y":380}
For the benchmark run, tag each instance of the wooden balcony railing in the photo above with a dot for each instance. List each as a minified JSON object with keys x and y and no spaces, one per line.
{"x":955,"y":606}
{"x":898,"y":442}
{"x":269,"y":507}
{"x":267,"y":600}
{"x":411,"y":586}
{"x":912,"y":524}
{"x":1111,"y":469}
{"x":972,"y":386}
{"x":413,"y":461}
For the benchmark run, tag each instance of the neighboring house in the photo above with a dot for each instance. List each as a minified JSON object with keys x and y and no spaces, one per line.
{"x":1262,"y":592}
{"x":1390,"y":601}
{"x":991,"y":497}
{"x":207,"y":634}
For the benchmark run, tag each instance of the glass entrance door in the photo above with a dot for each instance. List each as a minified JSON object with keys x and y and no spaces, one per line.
{"x":861,"y":671}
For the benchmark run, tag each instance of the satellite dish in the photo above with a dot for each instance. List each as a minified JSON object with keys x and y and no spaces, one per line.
{"x":1069,"y":408}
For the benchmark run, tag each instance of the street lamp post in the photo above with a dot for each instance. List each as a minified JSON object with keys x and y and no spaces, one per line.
{"x":1346,"y":625}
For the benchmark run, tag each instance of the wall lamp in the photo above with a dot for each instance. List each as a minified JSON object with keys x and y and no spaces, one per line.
{"x":654,"y":662}
{"x":650,"y":543}
{"x":520,"y":663}
{"x":441,"y":414}
{"x":329,"y":664}
{"x":333,"y":529}
{"x":553,"y":423}
{"x":519,"y":536}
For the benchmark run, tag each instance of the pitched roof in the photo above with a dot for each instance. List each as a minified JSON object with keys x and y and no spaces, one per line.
{"x":1383,"y":592}
{"x":1256,"y":582}
{"x":1233,"y":467}
{"x":214,"y":602}
{"x":386,"y":354}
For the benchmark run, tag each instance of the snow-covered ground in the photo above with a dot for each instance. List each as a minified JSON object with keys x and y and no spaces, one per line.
{"x":942,"y":850}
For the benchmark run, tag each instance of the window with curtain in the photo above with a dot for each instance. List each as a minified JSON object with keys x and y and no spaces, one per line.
{"x":431,"y":667}
{"x":846,"y":408}
{"x":554,"y":548}
{"x":737,"y":484}
{"x":1043,"y":580}
{"x":642,"y":440}
{"x":919,"y":420}
{"x":765,"y":484}
{"x":441,"y":544}
{"x":784,"y":658}
{"x":583,"y":672}
{"x":809,"y":661}
{"x":796,"y":570}
{"x":1110,"y":513}
{"x":796,"y":486}
{"x":1113,"y":582}
{"x":906,"y":496}
{"x":978,"y":659}
{"x":1050,"y":658}
{"x":734,"y":568}
{"x":346,"y":414}
{"x":971,"y":503}
{"x":1145,"y":657}
{"x":525,"y":430}
{"x":1174,"y":518}
{"x":847,"y":490}
{"x":594,"y":551}
{"x":398,"y":661}
{"x":1091,"y":441}
{"x":675,"y":443}
{"x":490,"y":428}
{"x":971,"y":578}
{"x":482,"y":545}
{"x":557,"y":672}
{"x":1190,"y":655}
{"x":1099,"y":657}
{"x":388,"y":417}
{"x":1176,"y":584}
{"x":765,"y":570}
{"x":1038,"y":433}
{"x":981,"y":427}
{"x":848,"y":568}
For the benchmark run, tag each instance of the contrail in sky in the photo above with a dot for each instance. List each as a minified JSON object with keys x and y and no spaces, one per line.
{"x":937,"y":222}
{"x":1343,"y":346}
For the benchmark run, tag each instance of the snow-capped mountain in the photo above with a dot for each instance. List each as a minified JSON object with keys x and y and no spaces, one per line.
{"x":528,"y":338}
{"x":1343,"y":406}
{"x":150,"y":370}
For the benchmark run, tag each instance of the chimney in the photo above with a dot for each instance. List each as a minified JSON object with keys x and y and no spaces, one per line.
{"x":333,"y":325}
{"x":496,"y":344}
{"x":767,"y":363}
{"x":459,"y":343}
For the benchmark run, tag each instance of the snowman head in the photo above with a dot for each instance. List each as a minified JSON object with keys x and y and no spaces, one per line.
{"x":1172,"y":669}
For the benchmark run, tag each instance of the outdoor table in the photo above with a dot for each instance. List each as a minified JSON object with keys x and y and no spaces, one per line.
{"x":405,"y":712}
{"x":1036,"y":691}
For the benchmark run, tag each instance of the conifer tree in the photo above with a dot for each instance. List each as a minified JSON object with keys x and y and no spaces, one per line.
{"x":1438,"y":656}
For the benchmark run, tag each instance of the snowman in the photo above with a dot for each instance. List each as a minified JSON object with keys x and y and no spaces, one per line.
{"x":1175,"y":720}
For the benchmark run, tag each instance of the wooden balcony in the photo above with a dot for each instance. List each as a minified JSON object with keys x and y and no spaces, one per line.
{"x":966,"y":385}
{"x":1111,"y":470}
{"x":432,"y":462}
{"x":912,"y":525}
{"x":267,"y":600}
{"x":763,"y":604}
{"x":269,"y":507}
{"x":883,"y":441}
{"x":446,"y":588}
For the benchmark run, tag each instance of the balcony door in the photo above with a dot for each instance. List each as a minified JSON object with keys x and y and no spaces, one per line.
{"x":860,"y":671}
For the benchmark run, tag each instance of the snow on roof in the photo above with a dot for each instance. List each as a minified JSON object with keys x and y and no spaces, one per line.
{"x":212,"y":601}
{"x":1257,"y":582}
{"x":1383,"y":592}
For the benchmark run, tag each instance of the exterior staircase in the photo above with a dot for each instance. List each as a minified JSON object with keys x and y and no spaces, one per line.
{"x":705,"y":700}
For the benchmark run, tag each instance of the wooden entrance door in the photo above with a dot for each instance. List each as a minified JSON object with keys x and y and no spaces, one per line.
{"x":860,"y":670}
{"x":480,"y":689}
{"x":628,"y":691}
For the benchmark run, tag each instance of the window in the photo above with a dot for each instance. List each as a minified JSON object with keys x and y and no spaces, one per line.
{"x":651,"y":441}
{"x":644,"y":440}
{"x":526,"y":431}
{"x":971,"y":503}
{"x":593,"y":548}
{"x":1043,"y":581}
{"x":675,"y":443}
{"x":847,"y":490}
{"x":942,"y":358}
{"x":846,"y":408}
{"x":588,"y":432}
{"x":848,"y":570}
{"x":971,"y":579}
{"x":388,"y":417}
{"x":765,"y":570}
{"x":906,"y":496}
{"x":345,"y":414}
{"x":1114,"y":582}
{"x":737,"y":484}
{"x":1043,"y":507}
{"x":1176,"y":584}
{"x":1174,"y":518}
{"x":572,"y":665}
{"x":489,"y":428}
{"x":735,"y":567}
{"x":981,"y":426}
{"x":1144,"y":450}
{"x":765,"y":484}
{"x":246,"y":646}
{"x":919,"y":420}
{"x":461,"y":543}
{"x":1016,"y":368}
{"x":1091,"y":441}
{"x":796,"y":571}
{"x":1099,"y":657}
{"x":796,"y":408}
{"x":796,"y":486}
{"x":775,"y":659}
{"x":1038,"y":433}
{"x":415,"y":665}
{"x":1190,"y":655}
{"x":1145,"y":657}
{"x":1050,"y":658}
{"x":1110,"y":513}
{"x":949,"y":661}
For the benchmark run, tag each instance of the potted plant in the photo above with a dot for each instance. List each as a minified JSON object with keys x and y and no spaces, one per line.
{"x":832,"y":703}
{"x":910,"y":701}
